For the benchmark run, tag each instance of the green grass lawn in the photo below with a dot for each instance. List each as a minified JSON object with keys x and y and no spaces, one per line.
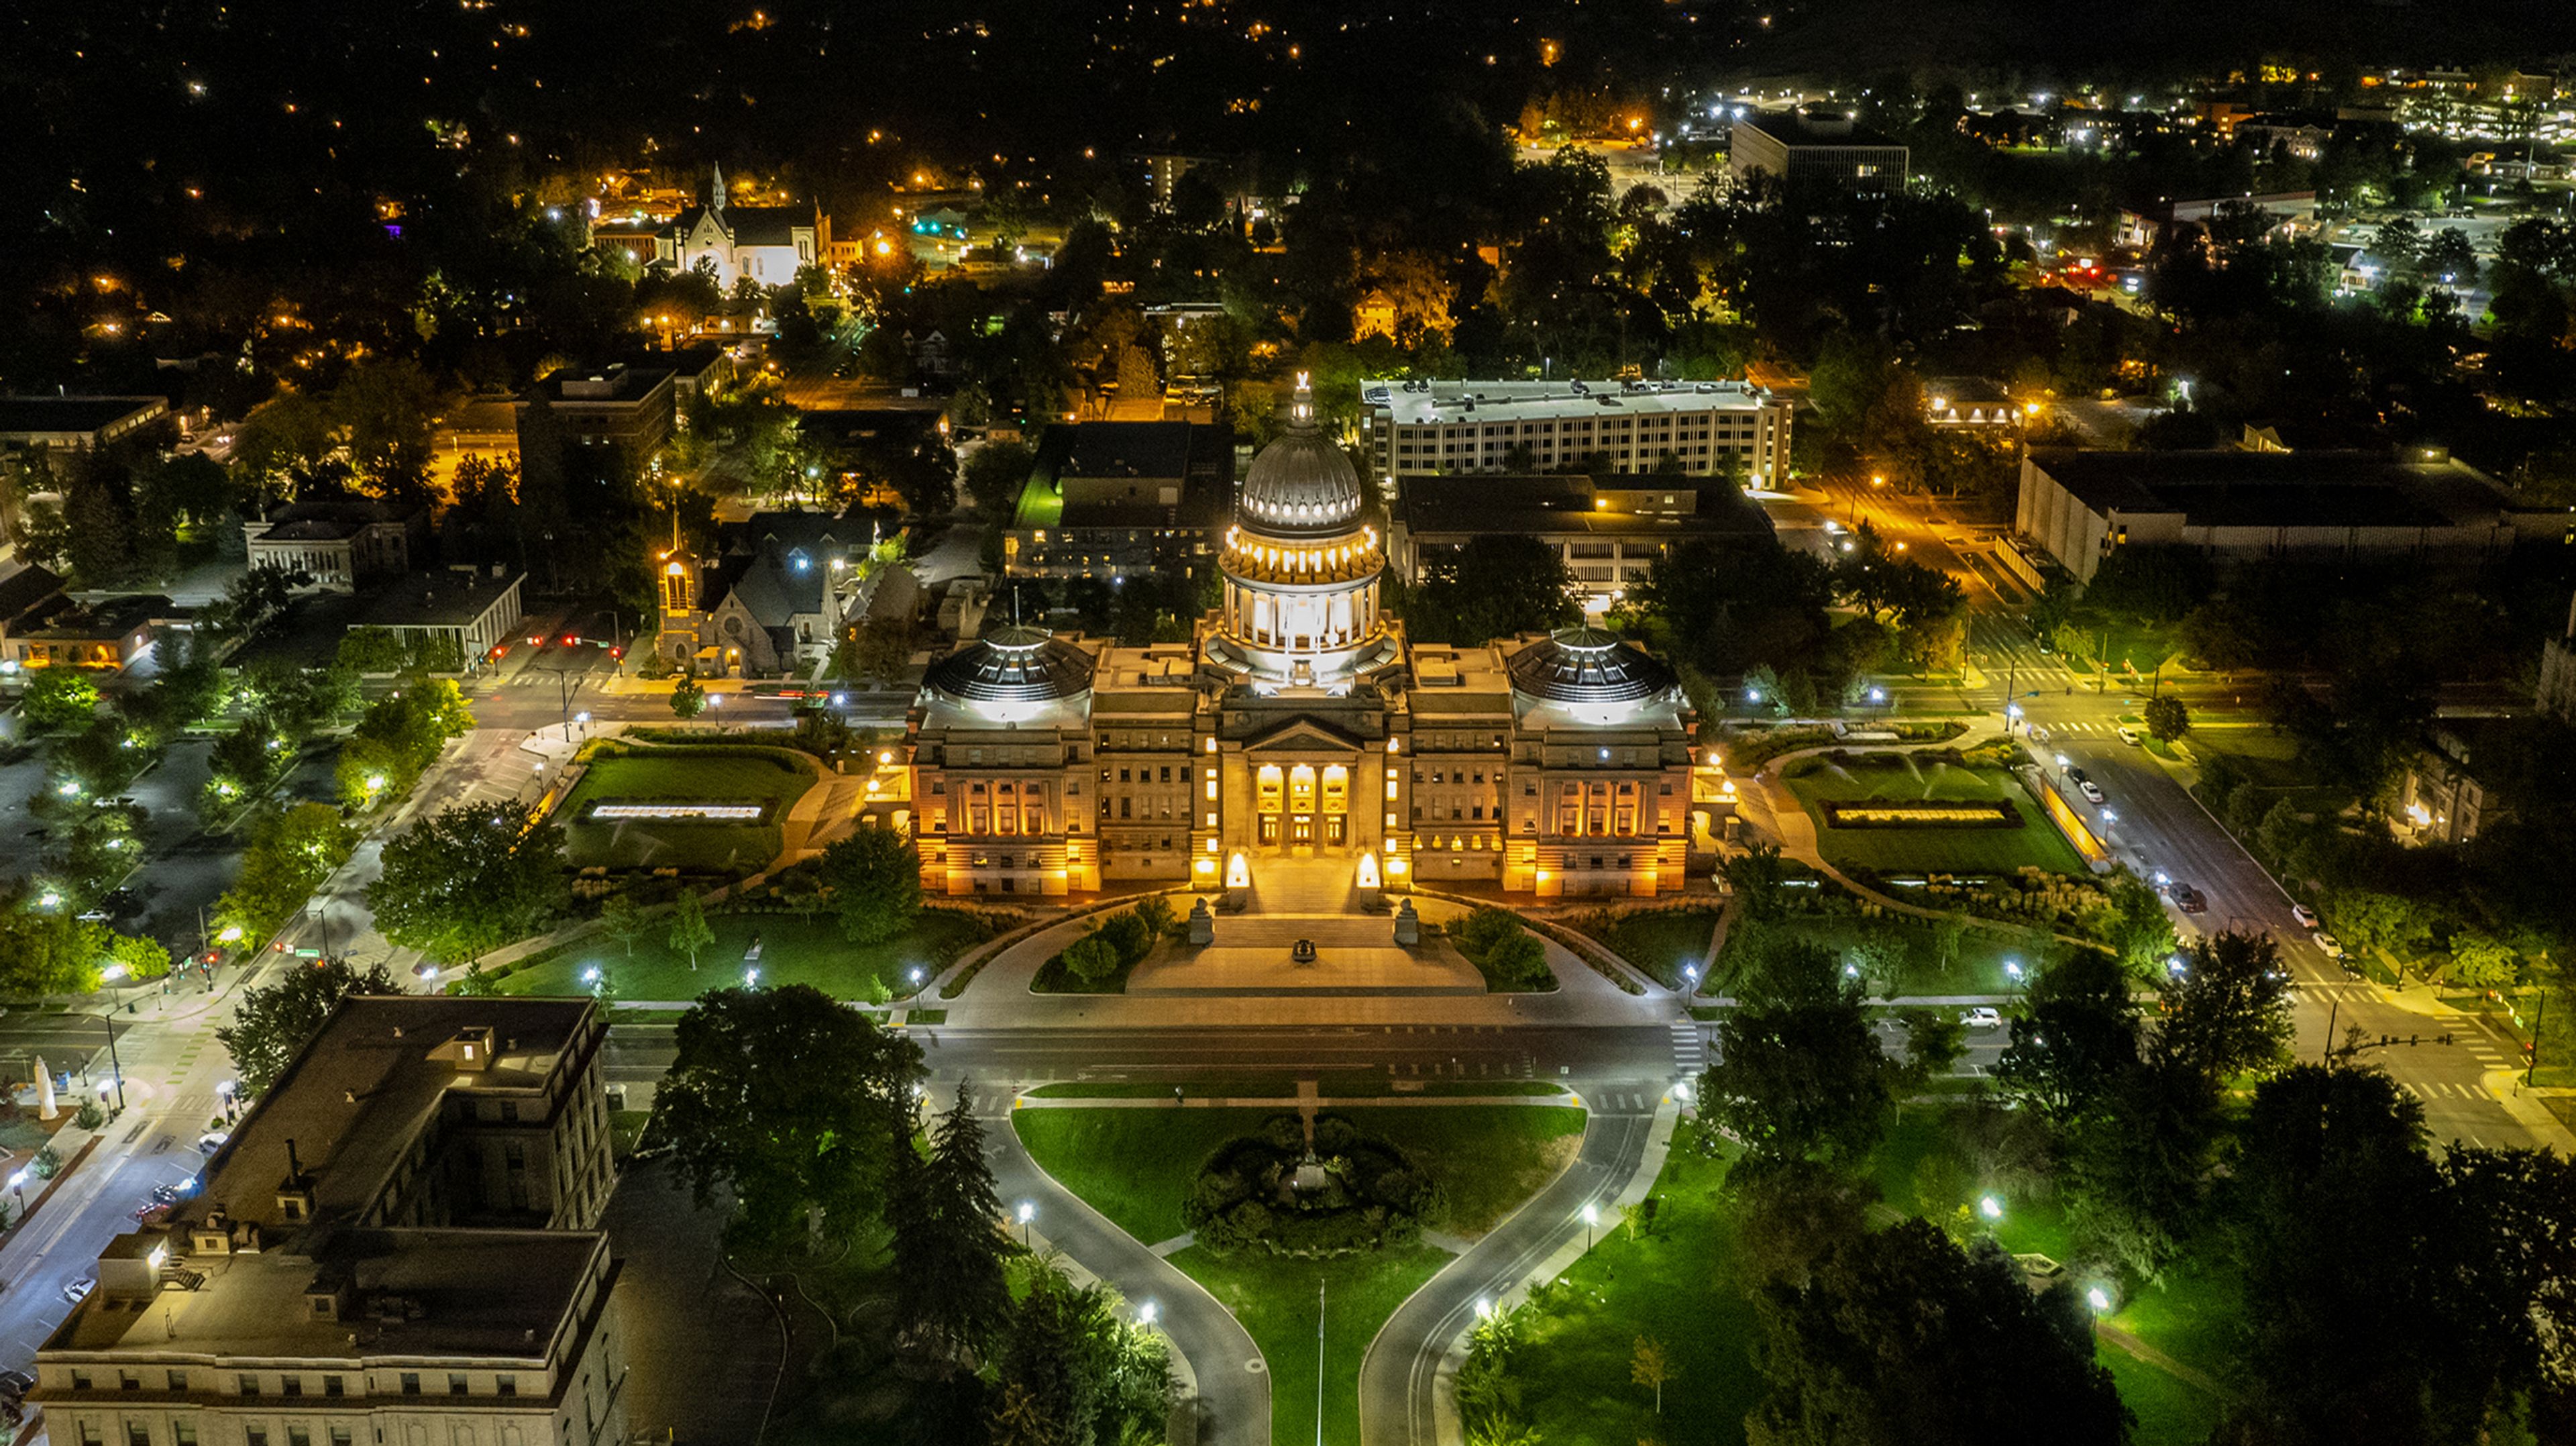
{"x":1135,"y":1167}
{"x":793,"y":951}
{"x":2170,"y":1410}
{"x":1275,"y":1298}
{"x":1918,"y":1174}
{"x":1977,"y":967}
{"x":774,"y":776}
{"x":1660,"y":942}
{"x":1893,"y":776}
{"x":1678,"y":1285}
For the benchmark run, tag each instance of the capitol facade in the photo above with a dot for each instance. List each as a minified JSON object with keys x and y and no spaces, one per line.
{"x":1300,"y":721}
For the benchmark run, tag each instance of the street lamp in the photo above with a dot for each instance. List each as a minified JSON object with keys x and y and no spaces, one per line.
{"x":2098,"y":1297}
{"x":114,"y":1068}
{"x":593,"y":977}
{"x":2110,"y":821}
{"x":1027,"y":1212}
{"x":18,"y":1186}
{"x":1591,"y":1218}
{"x":751,"y":977}
{"x":1145,"y":1314}
{"x":1990,"y":1207}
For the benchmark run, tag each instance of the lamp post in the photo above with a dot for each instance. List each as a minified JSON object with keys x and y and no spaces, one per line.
{"x":115,"y":1069}
{"x":2110,"y":823}
{"x":1027,"y":1212}
{"x":18,"y":1187}
{"x":1591,"y":1218}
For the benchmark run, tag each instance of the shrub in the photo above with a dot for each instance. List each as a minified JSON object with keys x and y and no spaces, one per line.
{"x":1520,"y":960}
{"x":1092,"y":957}
{"x":1127,"y":934}
{"x":90,"y":1116}
{"x":1156,"y":911}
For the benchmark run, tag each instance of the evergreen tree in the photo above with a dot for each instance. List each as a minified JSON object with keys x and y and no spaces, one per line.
{"x":969,"y":1213}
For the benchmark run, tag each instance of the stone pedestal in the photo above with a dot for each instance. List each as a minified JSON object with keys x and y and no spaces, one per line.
{"x":1202,"y":923}
{"x":1408,"y":925}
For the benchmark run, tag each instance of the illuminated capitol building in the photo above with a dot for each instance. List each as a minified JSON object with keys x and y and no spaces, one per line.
{"x":1301,"y":722}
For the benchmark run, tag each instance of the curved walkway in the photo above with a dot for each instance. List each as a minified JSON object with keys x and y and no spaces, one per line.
{"x":1233,"y":1403}
{"x":1406,"y":1379}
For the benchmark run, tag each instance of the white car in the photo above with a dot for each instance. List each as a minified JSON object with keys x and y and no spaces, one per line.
{"x":79,"y":1290}
{"x":2306,"y":916}
{"x":2327,"y":942}
{"x":2092,"y":791}
{"x":2130,"y":736}
{"x":1982,"y":1019}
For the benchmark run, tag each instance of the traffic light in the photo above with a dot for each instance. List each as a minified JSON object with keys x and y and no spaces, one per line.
{"x":617,"y":654}
{"x":571,"y":638}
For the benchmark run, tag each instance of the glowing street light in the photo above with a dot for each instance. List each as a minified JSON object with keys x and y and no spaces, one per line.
{"x":2099,"y":1298}
{"x":1027,"y":1212}
{"x":1990,"y":1207}
{"x":751,"y":977}
{"x":1145,"y":1313}
{"x":1591,"y":1218}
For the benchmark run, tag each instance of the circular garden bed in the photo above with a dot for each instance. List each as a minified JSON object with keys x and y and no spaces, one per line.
{"x":1355,"y":1192}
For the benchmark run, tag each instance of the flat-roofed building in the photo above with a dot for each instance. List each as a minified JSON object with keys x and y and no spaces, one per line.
{"x":101,"y":633}
{"x":1609,"y":535}
{"x":342,"y":543}
{"x":1694,"y":429}
{"x":398,"y":1244}
{"x":632,"y":408}
{"x":69,"y":425}
{"x":2082,"y":506}
{"x":1815,"y":146}
{"x":463,"y":608}
{"x":1110,"y":499}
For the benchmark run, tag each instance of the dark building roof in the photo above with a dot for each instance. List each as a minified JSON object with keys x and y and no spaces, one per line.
{"x":1587,"y":665}
{"x":1015,"y":665}
{"x":26,"y":589}
{"x":329,"y":518}
{"x":1792,"y":129}
{"x":70,"y":414}
{"x":1113,"y":475}
{"x":2275,"y":489}
{"x":615,"y":382}
{"x":104,"y":619}
{"x":753,"y":225}
{"x":774,"y":584}
{"x":434,"y":599}
{"x":1564,"y":503}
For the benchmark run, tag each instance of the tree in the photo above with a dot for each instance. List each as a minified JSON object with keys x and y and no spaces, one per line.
{"x":1649,"y":1365}
{"x":1798,"y":1074}
{"x":1091,"y":958}
{"x":59,"y":700}
{"x":688,"y":696}
{"x":1494,"y":586}
{"x":470,"y":879}
{"x":1934,"y":1040}
{"x":995,"y":473}
{"x":1759,"y":878}
{"x":1900,"y":1335}
{"x":625,"y":922}
{"x":2076,"y":1033}
{"x":2227,"y":1010}
{"x":2138,"y":928}
{"x":2167,"y":718}
{"x":2345,"y":1326}
{"x":948,"y":1245}
{"x":787,"y":1098}
{"x":875,"y":878}
{"x":690,"y":931}
{"x":2480,"y":959}
{"x":291,"y":852}
{"x":274,"y":1023}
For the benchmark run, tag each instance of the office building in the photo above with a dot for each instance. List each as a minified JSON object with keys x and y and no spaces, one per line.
{"x":398,"y":1244}
{"x":1609,"y":536}
{"x":1110,"y":500}
{"x":1692,"y":429}
{"x":1815,"y":147}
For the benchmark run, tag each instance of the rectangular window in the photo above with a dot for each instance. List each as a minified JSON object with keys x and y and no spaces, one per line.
{"x":255,"y":1435}
{"x":183,"y":1432}
{"x":129,"y":1380}
{"x":411,"y":1383}
{"x":505,"y":1385}
{"x":137,"y":1434}
{"x":89,"y":1433}
{"x":293,"y":1385}
{"x":455,"y":1383}
{"x":340,"y":1436}
{"x":334,"y":1385}
{"x":178,"y":1380}
{"x":248,"y":1384}
{"x":80,"y":1380}
{"x":299,"y":1436}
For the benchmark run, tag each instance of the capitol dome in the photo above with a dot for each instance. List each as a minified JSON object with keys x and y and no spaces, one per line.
{"x":1302,"y":483}
{"x":1588,"y":666}
{"x":1015,"y":665}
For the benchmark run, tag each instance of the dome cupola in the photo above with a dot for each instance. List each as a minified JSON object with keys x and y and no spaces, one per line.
{"x":1303,"y":484}
{"x":1586,"y":666}
{"x":1014,"y":665}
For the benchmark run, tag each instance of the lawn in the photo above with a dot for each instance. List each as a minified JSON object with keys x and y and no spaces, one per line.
{"x":1977,"y":966}
{"x":1660,"y":942}
{"x":1871,"y":777}
{"x":794,"y":950}
{"x":1275,"y":1298}
{"x":772,"y":776}
{"x":1135,"y":1167}
{"x":1678,"y":1285}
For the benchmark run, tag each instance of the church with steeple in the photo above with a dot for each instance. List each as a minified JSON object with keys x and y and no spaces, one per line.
{"x":1301,"y":722}
{"x":767,"y":244}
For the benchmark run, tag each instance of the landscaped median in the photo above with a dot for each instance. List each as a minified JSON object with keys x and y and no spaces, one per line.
{"x":794,"y":949}
{"x":700,"y":810}
{"x":1141,"y":1166}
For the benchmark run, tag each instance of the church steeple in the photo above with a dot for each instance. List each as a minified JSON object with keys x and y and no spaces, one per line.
{"x":716,"y":189}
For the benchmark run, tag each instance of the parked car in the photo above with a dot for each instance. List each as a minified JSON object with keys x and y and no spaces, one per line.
{"x":2092,"y":791}
{"x":210,"y":1141}
{"x":2038,"y":734}
{"x":2130,"y":735}
{"x":2189,"y":899}
{"x":2327,"y":942}
{"x":16,"y":1383}
{"x":2306,"y":916}
{"x":1982,"y":1019}
{"x":79,"y":1290}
